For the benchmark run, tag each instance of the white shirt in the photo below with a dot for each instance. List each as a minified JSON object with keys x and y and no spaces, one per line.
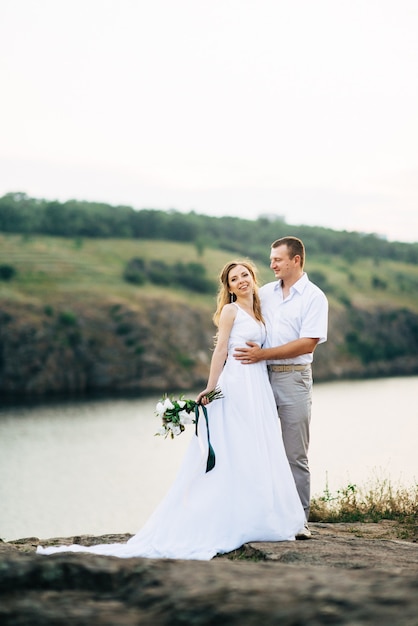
{"x":304,"y":313}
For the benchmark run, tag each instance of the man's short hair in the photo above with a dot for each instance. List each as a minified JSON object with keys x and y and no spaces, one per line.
{"x":294,"y":245}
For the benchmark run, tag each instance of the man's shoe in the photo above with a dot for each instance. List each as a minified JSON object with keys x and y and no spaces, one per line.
{"x":305,"y":533}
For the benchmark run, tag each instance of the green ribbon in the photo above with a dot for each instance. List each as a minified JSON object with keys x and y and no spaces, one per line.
{"x":210,"y":463}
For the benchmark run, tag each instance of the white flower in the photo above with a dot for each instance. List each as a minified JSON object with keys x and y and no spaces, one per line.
{"x":176,"y":430}
{"x":181,"y":403}
{"x":161,"y":431}
{"x":168,"y":404}
{"x":185,"y":418}
{"x":160,"y":409}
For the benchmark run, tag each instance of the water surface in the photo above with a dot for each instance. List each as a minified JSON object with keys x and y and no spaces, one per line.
{"x":96,"y":467}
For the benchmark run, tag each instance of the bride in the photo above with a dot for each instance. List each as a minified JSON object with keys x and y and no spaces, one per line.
{"x":250,"y":494}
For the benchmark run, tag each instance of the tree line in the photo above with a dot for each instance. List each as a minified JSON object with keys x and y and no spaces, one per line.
{"x":77,"y":219}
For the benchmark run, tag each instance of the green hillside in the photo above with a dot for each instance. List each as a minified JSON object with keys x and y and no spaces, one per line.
{"x":50,"y":268}
{"x":71,"y":323}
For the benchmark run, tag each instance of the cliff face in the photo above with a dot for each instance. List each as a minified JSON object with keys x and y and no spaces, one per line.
{"x":368,"y":343}
{"x":108,"y":347}
{"x":155,"y":345}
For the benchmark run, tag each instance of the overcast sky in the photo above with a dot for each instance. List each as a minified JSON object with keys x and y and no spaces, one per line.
{"x":303,"y":108}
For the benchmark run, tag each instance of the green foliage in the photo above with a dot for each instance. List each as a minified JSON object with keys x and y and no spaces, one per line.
{"x":76,"y":219}
{"x":124,"y":328}
{"x":74,"y":338}
{"x":5,"y":317}
{"x":319,"y":278}
{"x":345,"y":300}
{"x":159,"y":272}
{"x":406,"y":282}
{"x":385,"y":335}
{"x":375,"y":327}
{"x":378,"y":283}
{"x":193,"y":277}
{"x":7,"y":272}
{"x":200,"y":244}
{"x":135,"y":272}
{"x":67,"y":318}
{"x":189,"y":275}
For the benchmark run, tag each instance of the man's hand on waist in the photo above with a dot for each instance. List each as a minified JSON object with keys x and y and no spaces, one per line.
{"x":251,"y":354}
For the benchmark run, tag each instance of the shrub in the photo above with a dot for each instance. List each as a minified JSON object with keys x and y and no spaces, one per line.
{"x":319,"y":278}
{"x":7,"y":272}
{"x":124,"y":328}
{"x":5,"y":317}
{"x":67,"y":318}
{"x":189,"y":275}
{"x":159,"y":273}
{"x":193,"y":277}
{"x":135,"y":271}
{"x":378,"y":283}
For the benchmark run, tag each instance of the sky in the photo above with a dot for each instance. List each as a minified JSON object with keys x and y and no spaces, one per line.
{"x":307,"y":109}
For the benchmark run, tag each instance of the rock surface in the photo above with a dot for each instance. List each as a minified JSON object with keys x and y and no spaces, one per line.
{"x":347,"y":574}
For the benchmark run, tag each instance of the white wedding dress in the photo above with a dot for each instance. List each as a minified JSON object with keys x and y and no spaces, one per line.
{"x":250,"y":495}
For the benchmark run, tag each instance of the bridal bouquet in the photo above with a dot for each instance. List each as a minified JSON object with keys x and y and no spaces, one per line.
{"x":176,"y":414}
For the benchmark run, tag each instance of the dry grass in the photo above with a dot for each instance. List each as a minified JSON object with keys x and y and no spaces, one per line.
{"x":375,"y":502}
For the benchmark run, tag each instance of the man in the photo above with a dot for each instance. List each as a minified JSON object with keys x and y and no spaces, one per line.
{"x":296,"y":315}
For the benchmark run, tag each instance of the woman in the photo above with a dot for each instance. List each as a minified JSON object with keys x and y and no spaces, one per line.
{"x":250,"y":494}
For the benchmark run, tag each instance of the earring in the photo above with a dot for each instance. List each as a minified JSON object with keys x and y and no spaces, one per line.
{"x":231,"y":297}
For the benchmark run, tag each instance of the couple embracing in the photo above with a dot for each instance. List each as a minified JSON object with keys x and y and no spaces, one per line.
{"x":259,"y":489}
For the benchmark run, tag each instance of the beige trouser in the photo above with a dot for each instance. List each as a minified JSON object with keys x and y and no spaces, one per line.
{"x":293,"y":395}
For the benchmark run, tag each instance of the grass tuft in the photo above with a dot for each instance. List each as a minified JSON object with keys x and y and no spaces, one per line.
{"x":375,"y":502}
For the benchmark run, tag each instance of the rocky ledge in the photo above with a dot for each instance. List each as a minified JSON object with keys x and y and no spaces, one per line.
{"x":347,"y":574}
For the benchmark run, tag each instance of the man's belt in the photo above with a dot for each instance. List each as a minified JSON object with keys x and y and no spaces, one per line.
{"x":288,"y":368}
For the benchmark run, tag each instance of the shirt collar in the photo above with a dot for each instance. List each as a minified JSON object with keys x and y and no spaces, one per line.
{"x":299,"y":285}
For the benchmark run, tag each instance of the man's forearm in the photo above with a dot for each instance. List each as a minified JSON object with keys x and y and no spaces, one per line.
{"x":290,"y":350}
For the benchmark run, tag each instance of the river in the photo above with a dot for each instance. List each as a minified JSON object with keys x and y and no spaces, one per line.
{"x":95,"y":466}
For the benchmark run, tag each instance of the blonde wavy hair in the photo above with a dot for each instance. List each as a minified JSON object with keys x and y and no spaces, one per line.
{"x":224,"y":296}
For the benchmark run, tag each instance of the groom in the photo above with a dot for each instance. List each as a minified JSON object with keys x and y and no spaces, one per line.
{"x":296,"y":315}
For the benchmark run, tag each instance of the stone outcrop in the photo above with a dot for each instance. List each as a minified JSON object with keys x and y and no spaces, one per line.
{"x":347,"y":574}
{"x":103,"y":347}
